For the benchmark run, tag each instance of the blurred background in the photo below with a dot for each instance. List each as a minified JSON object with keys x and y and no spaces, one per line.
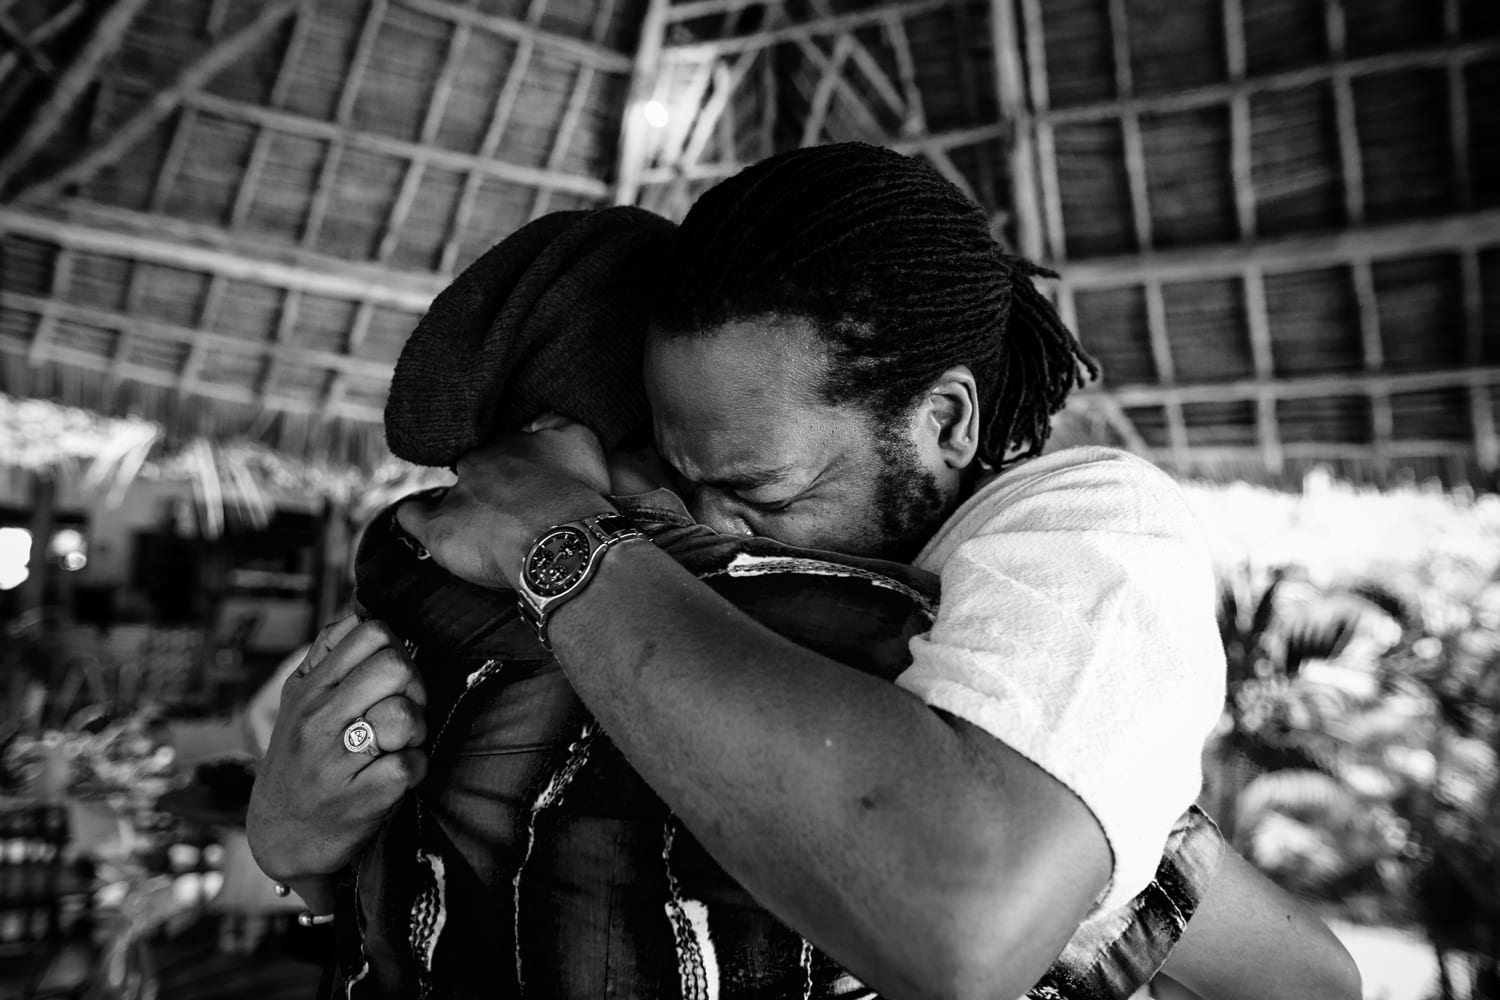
{"x":1277,"y":224}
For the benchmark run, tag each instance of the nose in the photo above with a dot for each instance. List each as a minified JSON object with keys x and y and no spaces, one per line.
{"x":713,"y":509}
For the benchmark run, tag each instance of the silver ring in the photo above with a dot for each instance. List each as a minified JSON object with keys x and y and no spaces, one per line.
{"x":359,"y":737}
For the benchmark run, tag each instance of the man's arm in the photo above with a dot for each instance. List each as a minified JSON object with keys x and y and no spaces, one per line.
{"x":1250,"y":940}
{"x":917,"y":850}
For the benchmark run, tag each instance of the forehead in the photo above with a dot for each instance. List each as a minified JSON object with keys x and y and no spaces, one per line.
{"x":744,"y":397}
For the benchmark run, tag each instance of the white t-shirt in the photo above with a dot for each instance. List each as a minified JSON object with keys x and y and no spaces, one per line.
{"x":1077,"y":625}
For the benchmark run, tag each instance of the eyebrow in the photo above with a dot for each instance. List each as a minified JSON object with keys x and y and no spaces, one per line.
{"x":751,"y":478}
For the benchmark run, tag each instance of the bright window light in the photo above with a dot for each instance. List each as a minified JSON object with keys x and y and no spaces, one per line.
{"x":15,"y":554}
{"x":655,"y":113}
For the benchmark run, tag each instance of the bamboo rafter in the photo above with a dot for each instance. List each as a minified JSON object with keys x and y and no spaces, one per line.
{"x":260,"y":150}
{"x":108,"y":30}
{"x":432,"y":119}
{"x":590,"y":53}
{"x":1258,"y":325}
{"x":1114,"y":414}
{"x":44,"y":33}
{"x":489,"y":145}
{"x":583,"y":81}
{"x":1045,"y":143}
{"x":199,"y":72}
{"x":1166,"y":371}
{"x":283,"y":352}
{"x":199,"y":248}
{"x":1481,"y":413}
{"x":1354,"y":383}
{"x":1010,"y":90}
{"x":645,"y":73}
{"x":1396,"y":239}
{"x":946,"y":140}
{"x":1218,"y":94}
{"x":333,"y":154}
{"x":831,"y":25}
{"x":316,"y":128}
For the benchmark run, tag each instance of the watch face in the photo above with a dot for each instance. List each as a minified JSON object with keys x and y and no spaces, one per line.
{"x":557,"y":561}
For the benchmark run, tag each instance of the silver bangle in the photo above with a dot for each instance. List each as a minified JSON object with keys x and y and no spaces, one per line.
{"x":307,"y":918}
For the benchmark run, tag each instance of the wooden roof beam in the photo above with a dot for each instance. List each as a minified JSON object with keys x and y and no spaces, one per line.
{"x":333,"y":155}
{"x":952,"y":139}
{"x":193,"y":76}
{"x":1046,"y":148}
{"x":1351,"y":164}
{"x":829,"y":25}
{"x":432,"y":119}
{"x":1354,"y":383}
{"x":260,"y":150}
{"x":1166,"y":371}
{"x":208,"y":319}
{"x":1010,"y":87}
{"x":315,"y":128}
{"x":1130,"y":127}
{"x":562,"y":141}
{"x":691,"y":9}
{"x":645,"y":76}
{"x":590,"y":53}
{"x":1373,"y":352}
{"x":286,"y":326}
{"x":1458,"y":109}
{"x":49,"y":29}
{"x":1216,"y":95}
{"x":1114,"y":414}
{"x":204,"y":249}
{"x":489,"y":145}
{"x":830,"y":72}
{"x":1481,"y":412}
{"x":1313,"y":451}
{"x":150,"y":329}
{"x":1258,"y":324}
{"x":1240,"y":160}
{"x":108,"y":31}
{"x":1289,"y":253}
{"x":41,"y":338}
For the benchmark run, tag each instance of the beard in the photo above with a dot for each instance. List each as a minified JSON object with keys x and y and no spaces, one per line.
{"x":909,"y":503}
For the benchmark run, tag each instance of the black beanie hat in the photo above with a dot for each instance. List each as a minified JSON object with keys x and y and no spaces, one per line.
{"x":551,"y":319}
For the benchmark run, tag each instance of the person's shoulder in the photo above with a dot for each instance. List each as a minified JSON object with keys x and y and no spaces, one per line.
{"x":1077,"y":489}
{"x":1101,"y":483}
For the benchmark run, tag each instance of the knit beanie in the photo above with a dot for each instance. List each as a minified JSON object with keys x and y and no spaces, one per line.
{"x":551,"y":319}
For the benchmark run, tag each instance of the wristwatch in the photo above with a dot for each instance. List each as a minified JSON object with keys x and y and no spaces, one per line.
{"x":562,"y":560}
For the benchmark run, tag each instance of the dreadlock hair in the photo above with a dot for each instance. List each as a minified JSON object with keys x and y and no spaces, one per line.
{"x":899,"y":273}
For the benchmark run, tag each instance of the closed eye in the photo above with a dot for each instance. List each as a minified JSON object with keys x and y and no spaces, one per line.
{"x":768,"y":506}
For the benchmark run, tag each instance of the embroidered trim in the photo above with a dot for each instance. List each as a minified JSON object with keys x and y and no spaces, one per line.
{"x":429,"y":915}
{"x":697,"y":961}
{"x":550,"y":795}
{"x":745,"y":564}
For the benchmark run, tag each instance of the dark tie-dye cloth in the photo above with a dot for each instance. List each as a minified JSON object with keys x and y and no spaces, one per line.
{"x":533,"y":860}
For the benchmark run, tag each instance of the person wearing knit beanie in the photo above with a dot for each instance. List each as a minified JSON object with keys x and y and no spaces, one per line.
{"x":550,"y":319}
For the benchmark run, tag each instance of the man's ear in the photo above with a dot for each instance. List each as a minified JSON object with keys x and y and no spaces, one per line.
{"x":949,"y":421}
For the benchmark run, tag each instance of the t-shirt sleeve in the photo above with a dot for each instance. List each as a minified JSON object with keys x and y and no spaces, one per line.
{"x":1077,"y":625}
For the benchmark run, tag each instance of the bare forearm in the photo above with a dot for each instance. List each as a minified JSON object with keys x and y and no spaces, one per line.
{"x":1250,"y":940}
{"x":857,"y":814}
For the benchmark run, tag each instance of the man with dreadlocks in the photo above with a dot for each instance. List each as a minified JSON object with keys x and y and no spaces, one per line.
{"x":848,"y":360}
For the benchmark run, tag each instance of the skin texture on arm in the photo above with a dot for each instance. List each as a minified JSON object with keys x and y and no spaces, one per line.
{"x":919,"y":851}
{"x":1250,"y":940}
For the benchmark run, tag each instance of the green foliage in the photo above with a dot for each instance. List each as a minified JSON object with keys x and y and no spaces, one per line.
{"x":1358,"y":762}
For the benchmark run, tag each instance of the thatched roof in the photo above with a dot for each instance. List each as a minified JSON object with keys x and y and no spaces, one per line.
{"x":1277,"y":227}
